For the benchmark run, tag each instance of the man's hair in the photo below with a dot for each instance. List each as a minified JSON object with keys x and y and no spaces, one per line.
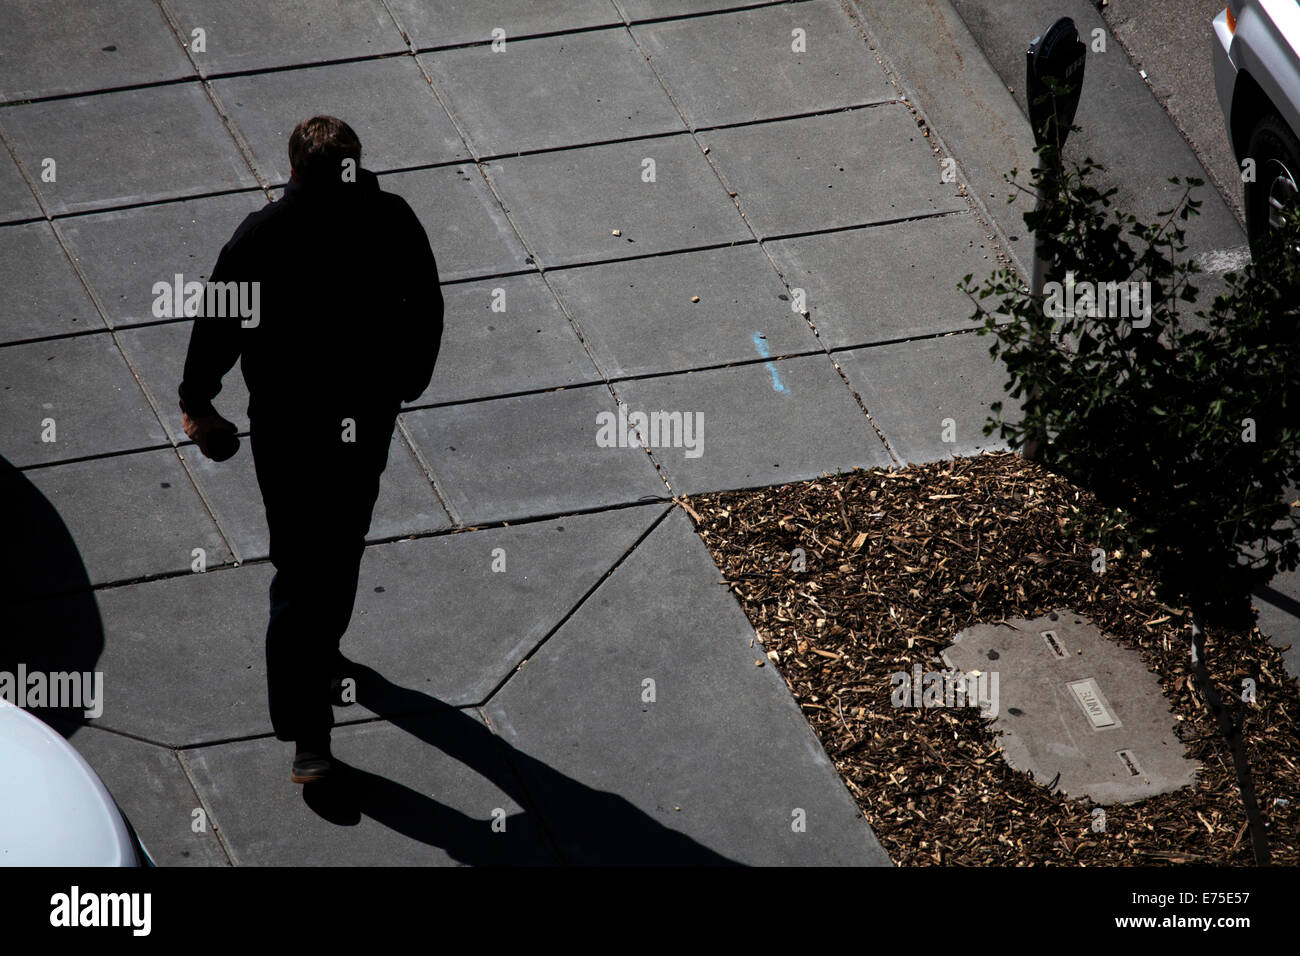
{"x":318,"y":147}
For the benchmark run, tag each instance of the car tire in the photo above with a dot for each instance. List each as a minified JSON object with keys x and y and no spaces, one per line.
{"x":1276,"y":152}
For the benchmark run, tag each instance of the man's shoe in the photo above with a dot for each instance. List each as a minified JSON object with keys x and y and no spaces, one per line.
{"x":311,"y":765}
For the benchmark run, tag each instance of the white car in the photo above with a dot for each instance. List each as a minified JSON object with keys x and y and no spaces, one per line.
{"x":1257,"y":78}
{"x":54,"y":809}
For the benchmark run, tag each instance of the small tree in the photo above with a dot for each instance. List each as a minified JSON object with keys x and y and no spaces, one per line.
{"x":1186,"y":431}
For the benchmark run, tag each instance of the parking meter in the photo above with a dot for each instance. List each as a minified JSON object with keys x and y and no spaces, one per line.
{"x":1054,"y":79}
{"x":1053,"y":82}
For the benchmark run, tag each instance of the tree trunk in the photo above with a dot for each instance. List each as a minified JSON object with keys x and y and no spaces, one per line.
{"x":1230,"y":725}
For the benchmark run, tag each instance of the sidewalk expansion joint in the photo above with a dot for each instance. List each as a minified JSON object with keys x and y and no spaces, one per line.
{"x":99,"y":91}
{"x":412,"y":446}
{"x":226,"y":849}
{"x":370,"y":543}
{"x":577,"y":606}
{"x":739,"y":7}
{"x":117,"y":453}
{"x":902,"y":340}
{"x":146,"y":203}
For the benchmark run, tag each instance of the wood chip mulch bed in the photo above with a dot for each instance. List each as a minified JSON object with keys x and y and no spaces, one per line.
{"x":899,"y":562}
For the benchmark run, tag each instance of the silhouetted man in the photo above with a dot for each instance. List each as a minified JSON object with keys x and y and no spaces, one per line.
{"x":347,"y":327}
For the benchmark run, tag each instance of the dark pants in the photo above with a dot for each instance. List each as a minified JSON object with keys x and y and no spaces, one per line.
{"x":319,"y":492}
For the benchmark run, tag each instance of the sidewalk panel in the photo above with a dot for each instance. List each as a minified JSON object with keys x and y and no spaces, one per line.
{"x":531,"y":455}
{"x":188,"y":656}
{"x":912,"y":390}
{"x":454,"y":615}
{"x":152,"y":789}
{"x":136,"y":146}
{"x":16,"y":199}
{"x":83,"y":384}
{"x":132,"y":515}
{"x":568,"y":203}
{"x":423,"y":794}
{"x":739,"y":67}
{"x":948,"y":78}
{"x":713,"y":748}
{"x":764,"y":424}
{"x":83,"y":45}
{"x":125,"y":252}
{"x":638,"y":318}
{"x":551,"y":92}
{"x":254,"y":35}
{"x":502,"y":336}
{"x":43,"y":294}
{"x":887,"y":282}
{"x":842,"y":169}
{"x":472,"y":21}
{"x":652,"y":9}
{"x":468,"y":231}
{"x":366,"y":95}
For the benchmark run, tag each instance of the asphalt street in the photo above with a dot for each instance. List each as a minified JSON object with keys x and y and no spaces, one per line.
{"x":1169,"y":40}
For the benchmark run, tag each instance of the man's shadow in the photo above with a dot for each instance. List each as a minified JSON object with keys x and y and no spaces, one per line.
{"x":49,"y":619}
{"x":583,"y":825}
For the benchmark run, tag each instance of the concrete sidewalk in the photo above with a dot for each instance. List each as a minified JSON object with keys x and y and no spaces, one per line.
{"x":551,"y":673}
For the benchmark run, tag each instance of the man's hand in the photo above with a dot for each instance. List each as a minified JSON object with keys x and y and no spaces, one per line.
{"x":214,"y":435}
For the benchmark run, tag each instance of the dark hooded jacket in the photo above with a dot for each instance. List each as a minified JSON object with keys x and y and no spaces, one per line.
{"x":350,"y":313}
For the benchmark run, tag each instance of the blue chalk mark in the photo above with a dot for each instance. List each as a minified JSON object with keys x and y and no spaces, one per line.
{"x":760,"y":343}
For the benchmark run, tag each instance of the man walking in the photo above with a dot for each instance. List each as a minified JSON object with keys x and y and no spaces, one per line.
{"x":348,"y":326}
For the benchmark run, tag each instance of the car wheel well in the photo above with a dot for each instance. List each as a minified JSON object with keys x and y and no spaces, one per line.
{"x":1250,"y":104}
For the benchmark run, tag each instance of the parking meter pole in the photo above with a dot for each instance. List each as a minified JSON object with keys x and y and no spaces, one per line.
{"x":1054,"y":79}
{"x":1041,"y":262}
{"x":1033,"y":447}
{"x":1039,"y":266}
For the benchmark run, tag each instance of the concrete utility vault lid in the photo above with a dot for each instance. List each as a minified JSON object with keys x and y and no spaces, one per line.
{"x":1073,"y":702}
